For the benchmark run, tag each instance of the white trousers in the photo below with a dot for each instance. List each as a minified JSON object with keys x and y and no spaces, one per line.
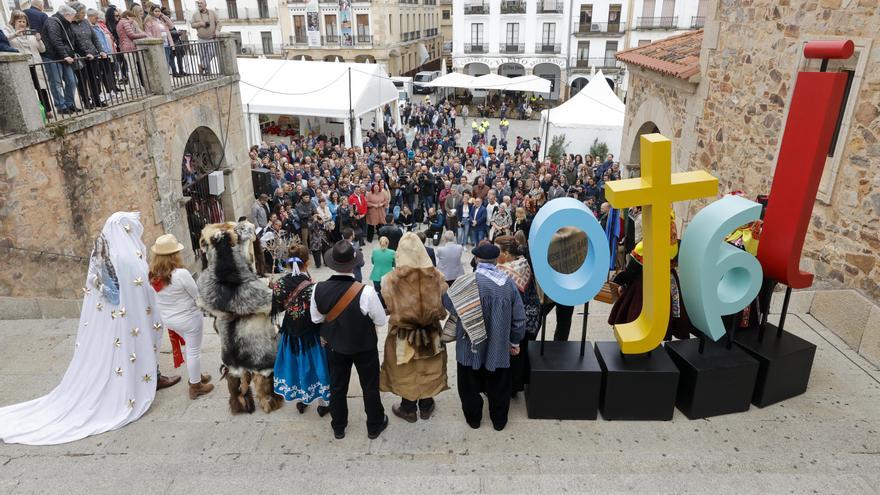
{"x":191,"y":330}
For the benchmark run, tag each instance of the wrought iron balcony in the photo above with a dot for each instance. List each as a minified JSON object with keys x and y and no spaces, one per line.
{"x":513,"y":7}
{"x":599,"y":28}
{"x":548,"y":48}
{"x":363,"y":40}
{"x":698,"y":21}
{"x":599,"y":63}
{"x":657,"y":22}
{"x":330,"y":40}
{"x":550,"y":7}
{"x":512,"y":48}
{"x":476,"y":8}
{"x":431,"y":32}
{"x":476,"y":48}
{"x":299,"y":39}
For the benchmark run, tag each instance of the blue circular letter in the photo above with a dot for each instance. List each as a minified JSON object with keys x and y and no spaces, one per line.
{"x":574,"y":288}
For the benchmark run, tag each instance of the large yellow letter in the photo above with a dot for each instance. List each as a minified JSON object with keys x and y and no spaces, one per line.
{"x":655,"y":191}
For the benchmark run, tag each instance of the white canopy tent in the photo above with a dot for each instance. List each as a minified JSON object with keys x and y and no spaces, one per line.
{"x":492,"y":81}
{"x":530,"y":82}
{"x":452,"y":80}
{"x":334,"y":90}
{"x":595,"y":112}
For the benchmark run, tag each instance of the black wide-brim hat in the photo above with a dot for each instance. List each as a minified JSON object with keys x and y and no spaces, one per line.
{"x":343,"y":257}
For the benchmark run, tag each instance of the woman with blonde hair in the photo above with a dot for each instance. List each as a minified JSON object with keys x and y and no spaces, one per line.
{"x":176,"y":295}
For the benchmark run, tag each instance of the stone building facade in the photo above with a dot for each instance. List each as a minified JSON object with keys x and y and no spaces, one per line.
{"x":59,"y":183}
{"x":724,"y":102}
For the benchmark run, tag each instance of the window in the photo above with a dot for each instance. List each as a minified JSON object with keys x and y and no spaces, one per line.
{"x":586,"y":15}
{"x":512,"y":36}
{"x":263,"y":9}
{"x":236,"y":36}
{"x":614,"y":17}
{"x":668,"y":12}
{"x":330,"y":25}
{"x":477,"y":34}
{"x":548,"y":35}
{"x":610,"y":50}
{"x":583,"y":51}
{"x":178,"y":10}
{"x":850,"y":75}
{"x":363,"y":25}
{"x":232,"y":9}
{"x":299,"y":28}
{"x":267,"y":41}
{"x":648,"y":8}
{"x":644,"y":42}
{"x":390,"y":25}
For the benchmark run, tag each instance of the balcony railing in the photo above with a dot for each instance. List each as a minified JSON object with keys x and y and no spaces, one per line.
{"x":599,"y":28}
{"x":430,"y":2}
{"x":410,"y":2}
{"x":247,"y":14}
{"x":411,"y":36}
{"x":513,"y":7}
{"x":363,"y":40}
{"x":299,"y":39}
{"x":330,"y":40}
{"x":431,"y":32}
{"x":698,"y":21}
{"x":548,"y":48}
{"x":599,"y":63}
{"x":512,"y":47}
{"x":476,"y":8}
{"x":657,"y":22}
{"x":550,"y":7}
{"x":476,"y":48}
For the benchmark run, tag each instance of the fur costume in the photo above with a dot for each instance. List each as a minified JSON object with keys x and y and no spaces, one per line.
{"x":231,"y":291}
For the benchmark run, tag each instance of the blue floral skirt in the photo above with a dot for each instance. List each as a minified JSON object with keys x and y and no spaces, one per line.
{"x":301,"y":369}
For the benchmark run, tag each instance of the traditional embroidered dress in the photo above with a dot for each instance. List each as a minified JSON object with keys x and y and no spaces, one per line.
{"x":301,"y":373}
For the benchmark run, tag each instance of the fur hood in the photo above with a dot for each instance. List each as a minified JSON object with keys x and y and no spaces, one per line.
{"x":414,"y":297}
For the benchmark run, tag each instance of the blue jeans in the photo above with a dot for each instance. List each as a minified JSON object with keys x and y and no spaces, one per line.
{"x":62,"y":84}
{"x":478,"y":233}
{"x":464,"y":232}
{"x":427,"y":202}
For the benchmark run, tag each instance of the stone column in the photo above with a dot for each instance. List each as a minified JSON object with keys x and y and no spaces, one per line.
{"x":227,"y":55}
{"x":21,"y":109}
{"x":156,"y":76}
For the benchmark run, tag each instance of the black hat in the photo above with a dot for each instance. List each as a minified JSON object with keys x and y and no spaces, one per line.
{"x":343,"y":257}
{"x":486,"y":251}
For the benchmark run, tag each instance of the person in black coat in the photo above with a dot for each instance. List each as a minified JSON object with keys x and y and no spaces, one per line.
{"x":85,"y":43}
{"x":59,"y":48}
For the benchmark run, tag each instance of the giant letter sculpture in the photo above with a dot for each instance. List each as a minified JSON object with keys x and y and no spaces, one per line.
{"x":716,"y":278}
{"x":656,"y":190}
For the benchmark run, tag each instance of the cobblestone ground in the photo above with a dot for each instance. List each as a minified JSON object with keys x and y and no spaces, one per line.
{"x":825,"y":441}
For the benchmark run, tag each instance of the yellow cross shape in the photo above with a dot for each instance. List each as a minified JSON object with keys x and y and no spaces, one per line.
{"x":655,"y":191}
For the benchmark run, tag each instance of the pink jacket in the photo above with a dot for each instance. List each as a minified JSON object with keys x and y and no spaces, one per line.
{"x":129,"y":31}
{"x":159,"y":28}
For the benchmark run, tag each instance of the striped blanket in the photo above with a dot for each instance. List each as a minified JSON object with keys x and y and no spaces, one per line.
{"x":465,"y":296}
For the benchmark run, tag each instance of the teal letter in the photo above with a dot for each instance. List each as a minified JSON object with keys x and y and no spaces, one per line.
{"x":716,"y":278}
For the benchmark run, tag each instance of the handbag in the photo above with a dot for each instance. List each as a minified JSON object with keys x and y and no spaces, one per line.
{"x":609,"y":293}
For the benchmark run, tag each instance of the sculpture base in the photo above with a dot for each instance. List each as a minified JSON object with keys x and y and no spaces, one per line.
{"x":785,"y":363}
{"x":715,"y":382}
{"x":636,"y":387}
{"x":562,"y":384}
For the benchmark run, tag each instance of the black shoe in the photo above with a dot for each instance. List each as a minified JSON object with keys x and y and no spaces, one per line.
{"x":375,"y":435}
{"x":66,"y":111}
{"x":339,"y":434}
{"x":300,"y":407}
{"x":473,"y":424}
{"x":499,"y":426}
{"x":425,"y":413}
{"x":323,"y":410}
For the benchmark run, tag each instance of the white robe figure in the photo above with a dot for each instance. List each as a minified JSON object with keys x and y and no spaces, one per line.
{"x":111,"y":380}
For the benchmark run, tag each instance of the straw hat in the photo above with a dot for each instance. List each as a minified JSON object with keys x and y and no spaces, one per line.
{"x":411,"y":253}
{"x":166,"y":244}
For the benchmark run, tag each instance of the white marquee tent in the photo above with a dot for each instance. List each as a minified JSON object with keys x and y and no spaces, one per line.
{"x":595,"y":112}
{"x":334,"y":90}
{"x":492,"y":81}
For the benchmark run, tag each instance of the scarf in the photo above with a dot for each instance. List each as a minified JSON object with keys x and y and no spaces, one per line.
{"x":176,"y":340}
{"x":518,"y":270}
{"x":492,"y":273}
{"x":465,"y":296}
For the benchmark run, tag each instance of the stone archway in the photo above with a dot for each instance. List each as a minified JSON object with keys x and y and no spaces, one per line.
{"x":476,"y":69}
{"x":578,"y":83}
{"x":202,"y":156}
{"x":334,"y":58}
{"x":552,"y":73}
{"x":511,"y":70}
{"x":365,"y":59}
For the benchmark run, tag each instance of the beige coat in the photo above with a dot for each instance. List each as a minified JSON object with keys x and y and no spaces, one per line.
{"x":415,"y":360}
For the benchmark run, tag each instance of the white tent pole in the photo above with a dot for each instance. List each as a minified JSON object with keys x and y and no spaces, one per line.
{"x":346,"y":131}
{"x":351,"y":122}
{"x":395,"y":112}
{"x":358,"y":137}
{"x":546,"y":144}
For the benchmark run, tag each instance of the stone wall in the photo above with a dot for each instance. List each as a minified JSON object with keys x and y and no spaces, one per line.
{"x":57,"y":190}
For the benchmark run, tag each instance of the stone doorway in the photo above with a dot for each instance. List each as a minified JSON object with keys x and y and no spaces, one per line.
{"x":202,"y":155}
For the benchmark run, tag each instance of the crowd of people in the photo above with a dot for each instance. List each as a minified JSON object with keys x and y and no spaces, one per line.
{"x":81,"y":58}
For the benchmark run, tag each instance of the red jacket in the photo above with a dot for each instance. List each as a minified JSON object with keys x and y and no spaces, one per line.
{"x":358,"y":203}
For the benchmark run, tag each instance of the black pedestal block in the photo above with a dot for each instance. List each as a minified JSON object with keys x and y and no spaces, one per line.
{"x":636,"y":387}
{"x":718,"y":381}
{"x":562,"y":384}
{"x":785,"y":363}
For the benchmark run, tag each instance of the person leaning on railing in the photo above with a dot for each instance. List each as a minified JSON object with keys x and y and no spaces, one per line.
{"x":60,"y":55}
{"x":88,"y":71}
{"x":129,"y":30}
{"x":159,"y":26}
{"x":22,"y":38}
{"x":207,"y":26}
{"x":107,"y":44}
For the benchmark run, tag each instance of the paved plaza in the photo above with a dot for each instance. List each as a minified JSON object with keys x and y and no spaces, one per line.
{"x":825,"y":441}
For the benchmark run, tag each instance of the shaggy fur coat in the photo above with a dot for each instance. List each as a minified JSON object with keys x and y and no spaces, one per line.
{"x":231,"y":291}
{"x":415,"y":360}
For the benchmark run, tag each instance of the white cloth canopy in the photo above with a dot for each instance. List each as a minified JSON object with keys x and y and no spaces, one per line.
{"x":530,"y":82}
{"x":111,"y":380}
{"x":492,"y":81}
{"x":595,"y":112}
{"x":452,"y":80}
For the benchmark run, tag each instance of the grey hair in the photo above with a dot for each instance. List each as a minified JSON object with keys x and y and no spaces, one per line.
{"x":448,"y":236}
{"x":93,"y":12}
{"x":37,"y":3}
{"x":66,"y":10}
{"x":76,"y":6}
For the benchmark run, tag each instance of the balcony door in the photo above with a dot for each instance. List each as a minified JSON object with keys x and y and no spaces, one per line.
{"x":548,"y":37}
{"x":511,"y":37}
{"x":583,"y":54}
{"x":610,"y":50}
{"x":299,"y":28}
{"x":263,"y":9}
{"x":477,"y":34}
{"x":330,"y":27}
{"x":362,"y":21}
{"x":232,"y":9}
{"x":586,"y":18}
{"x":667,"y":13}
{"x":267,"y":41}
{"x":614,"y":18}
{"x":647,"y":13}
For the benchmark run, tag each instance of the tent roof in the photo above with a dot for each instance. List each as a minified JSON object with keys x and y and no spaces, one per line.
{"x":319,"y":89}
{"x":452,"y":80}
{"x":490,"y":81}
{"x":529,"y":83}
{"x":594,"y":106}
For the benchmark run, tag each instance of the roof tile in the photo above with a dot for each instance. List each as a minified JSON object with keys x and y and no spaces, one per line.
{"x":677,"y":56}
